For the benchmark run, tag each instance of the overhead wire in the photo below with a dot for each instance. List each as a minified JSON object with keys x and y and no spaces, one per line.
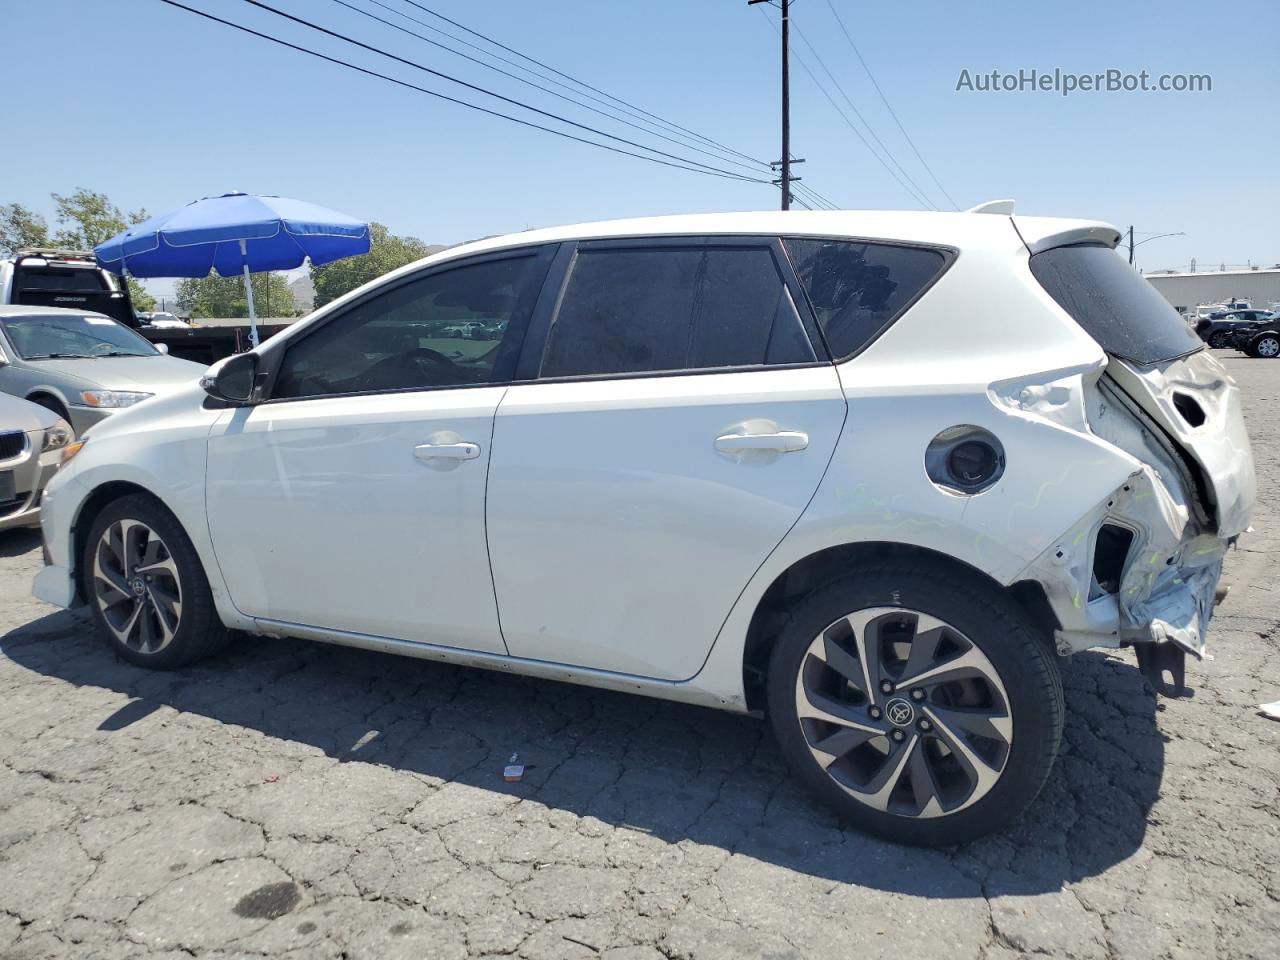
{"x":818,"y":83}
{"x":699,"y":168}
{"x":482,"y":90}
{"x":885,"y":100}
{"x":858,"y":113}
{"x":537,"y":86}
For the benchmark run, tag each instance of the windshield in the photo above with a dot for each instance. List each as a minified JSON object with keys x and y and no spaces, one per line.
{"x":49,"y":336}
{"x":1113,"y":303}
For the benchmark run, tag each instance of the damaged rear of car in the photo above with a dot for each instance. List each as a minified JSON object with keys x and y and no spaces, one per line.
{"x":1142,"y":566}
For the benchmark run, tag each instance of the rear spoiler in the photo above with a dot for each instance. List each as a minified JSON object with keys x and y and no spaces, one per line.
{"x":1040,"y":235}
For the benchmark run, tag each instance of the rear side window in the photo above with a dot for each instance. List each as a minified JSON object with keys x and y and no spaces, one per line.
{"x":1114,"y":305}
{"x":858,"y":289}
{"x":632,"y":310}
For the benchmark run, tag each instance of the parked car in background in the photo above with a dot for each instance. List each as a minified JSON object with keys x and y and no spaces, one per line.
{"x":749,"y":461}
{"x":160,"y":320}
{"x":32,"y":439}
{"x":72,"y":279}
{"x":1258,"y":339}
{"x":1219,"y":333}
{"x":83,"y":366}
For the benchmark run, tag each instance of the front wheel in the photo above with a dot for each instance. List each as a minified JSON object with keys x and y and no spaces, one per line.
{"x":917,"y":702}
{"x":1219,"y":341}
{"x":146,"y":587}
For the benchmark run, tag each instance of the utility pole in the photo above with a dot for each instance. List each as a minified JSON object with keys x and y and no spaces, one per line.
{"x":786,"y":179}
{"x":1131,"y":245}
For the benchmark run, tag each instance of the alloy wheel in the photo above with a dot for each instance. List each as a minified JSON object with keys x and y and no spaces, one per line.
{"x":136,"y":586}
{"x":1218,"y":340}
{"x":1268,"y":347}
{"x":904,"y":712}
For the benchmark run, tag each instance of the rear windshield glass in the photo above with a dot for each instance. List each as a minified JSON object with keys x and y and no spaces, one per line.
{"x":858,"y":289}
{"x":49,"y":278}
{"x":1114,"y":305}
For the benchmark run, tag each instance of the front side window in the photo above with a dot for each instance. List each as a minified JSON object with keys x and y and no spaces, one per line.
{"x":858,"y":289}
{"x":443,"y":330}
{"x":671,"y":308}
{"x":57,"y":336}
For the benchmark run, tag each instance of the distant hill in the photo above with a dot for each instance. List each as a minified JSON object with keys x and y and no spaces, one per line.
{"x":304,"y":293}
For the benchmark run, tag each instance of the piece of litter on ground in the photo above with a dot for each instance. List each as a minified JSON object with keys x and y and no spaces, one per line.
{"x":271,"y":778}
{"x":513,"y":771}
{"x":1271,"y":710}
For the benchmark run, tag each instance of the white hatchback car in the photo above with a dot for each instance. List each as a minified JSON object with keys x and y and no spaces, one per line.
{"x":867,"y":472}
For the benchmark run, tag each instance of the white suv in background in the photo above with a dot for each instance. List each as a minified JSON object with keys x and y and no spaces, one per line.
{"x":866,"y":472}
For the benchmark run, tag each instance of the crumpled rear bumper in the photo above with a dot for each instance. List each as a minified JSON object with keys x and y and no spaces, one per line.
{"x":1169,"y":577}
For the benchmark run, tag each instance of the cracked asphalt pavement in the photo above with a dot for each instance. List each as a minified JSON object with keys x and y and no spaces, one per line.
{"x":297,"y":800}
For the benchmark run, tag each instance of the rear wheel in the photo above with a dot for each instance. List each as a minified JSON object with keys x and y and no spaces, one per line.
{"x":146,"y":587}
{"x":1267,"y":346}
{"x":920,"y":704}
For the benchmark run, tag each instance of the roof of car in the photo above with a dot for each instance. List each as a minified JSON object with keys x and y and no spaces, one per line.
{"x":947,"y":229}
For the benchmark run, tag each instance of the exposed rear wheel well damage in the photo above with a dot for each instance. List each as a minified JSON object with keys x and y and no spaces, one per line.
{"x":93,"y":505}
{"x":820,"y":568}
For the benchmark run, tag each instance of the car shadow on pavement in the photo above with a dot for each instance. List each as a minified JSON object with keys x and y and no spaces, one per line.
{"x":681,"y":774}
{"x":16,"y":542}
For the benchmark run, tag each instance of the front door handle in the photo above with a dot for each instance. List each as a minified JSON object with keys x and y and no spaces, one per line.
{"x":784,"y":441}
{"x":447,"y":451}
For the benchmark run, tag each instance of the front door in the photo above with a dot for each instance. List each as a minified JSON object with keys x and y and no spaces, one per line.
{"x":353,"y":498}
{"x":681,"y":420}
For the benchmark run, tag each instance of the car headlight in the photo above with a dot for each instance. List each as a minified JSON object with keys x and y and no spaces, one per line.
{"x":59,"y":435}
{"x":113,"y":398}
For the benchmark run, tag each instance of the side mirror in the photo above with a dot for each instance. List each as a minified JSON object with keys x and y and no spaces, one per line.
{"x":161,"y":348}
{"x":232,"y":379}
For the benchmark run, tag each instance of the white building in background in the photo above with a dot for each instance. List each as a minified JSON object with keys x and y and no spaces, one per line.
{"x":1188,"y":290}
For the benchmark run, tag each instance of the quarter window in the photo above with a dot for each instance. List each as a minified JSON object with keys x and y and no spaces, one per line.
{"x":631,"y":310}
{"x":443,"y":330}
{"x":858,"y":289}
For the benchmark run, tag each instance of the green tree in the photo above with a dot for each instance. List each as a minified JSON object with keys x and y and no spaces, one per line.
{"x":85,"y":219}
{"x":215,"y":296}
{"x":19,"y":228}
{"x":386,"y":252}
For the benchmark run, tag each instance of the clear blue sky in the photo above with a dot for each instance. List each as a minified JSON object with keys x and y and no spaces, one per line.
{"x":155,"y":108}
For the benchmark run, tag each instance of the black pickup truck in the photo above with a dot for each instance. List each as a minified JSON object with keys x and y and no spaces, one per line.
{"x":72,"y":278}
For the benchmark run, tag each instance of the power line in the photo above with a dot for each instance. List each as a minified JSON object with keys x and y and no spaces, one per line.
{"x":581,"y":83}
{"x":858,"y":113}
{"x":892,"y":112}
{"x":851,"y":125}
{"x":464,"y":103}
{"x":537,"y":86}
{"x":479,"y":89}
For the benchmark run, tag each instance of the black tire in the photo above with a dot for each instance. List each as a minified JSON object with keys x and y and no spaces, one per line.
{"x":1266,"y":346}
{"x":1219,"y":341}
{"x":1012,"y":645}
{"x":199,"y":632}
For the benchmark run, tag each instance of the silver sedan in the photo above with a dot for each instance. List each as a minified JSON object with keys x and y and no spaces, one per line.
{"x":31,"y":442}
{"x":83,"y":366}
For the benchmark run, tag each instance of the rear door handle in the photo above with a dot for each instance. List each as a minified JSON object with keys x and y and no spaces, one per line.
{"x":447,"y":451}
{"x":784,"y":441}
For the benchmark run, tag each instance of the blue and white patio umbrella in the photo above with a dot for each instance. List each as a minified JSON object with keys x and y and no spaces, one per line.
{"x":236,"y":233}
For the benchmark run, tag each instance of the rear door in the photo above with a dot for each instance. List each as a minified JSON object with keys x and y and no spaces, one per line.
{"x":679,"y":416}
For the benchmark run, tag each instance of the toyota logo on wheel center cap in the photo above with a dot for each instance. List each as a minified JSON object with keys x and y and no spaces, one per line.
{"x":899,"y":712}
